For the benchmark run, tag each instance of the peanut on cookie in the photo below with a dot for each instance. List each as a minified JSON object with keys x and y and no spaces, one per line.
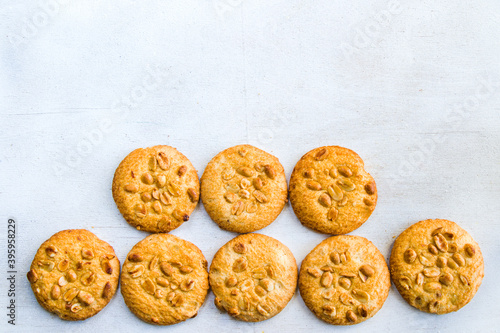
{"x":74,"y":274}
{"x":436,"y":266}
{"x":243,"y":189}
{"x":344,"y":280}
{"x":164,"y":280}
{"x":331,"y":192}
{"x":156,"y":188}
{"x":253,"y":277}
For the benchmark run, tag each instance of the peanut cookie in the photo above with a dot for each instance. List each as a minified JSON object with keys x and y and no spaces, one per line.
{"x":436,"y":266}
{"x":253,"y":277}
{"x":164,"y":280}
{"x":344,"y":280}
{"x":243,"y":189}
{"x":156,"y":188}
{"x":74,"y":274}
{"x":331,"y":192}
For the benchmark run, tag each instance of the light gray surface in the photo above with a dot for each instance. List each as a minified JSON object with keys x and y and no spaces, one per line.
{"x":417,"y":96}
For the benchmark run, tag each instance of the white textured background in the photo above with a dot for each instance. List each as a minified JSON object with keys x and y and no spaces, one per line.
{"x":413,"y":87}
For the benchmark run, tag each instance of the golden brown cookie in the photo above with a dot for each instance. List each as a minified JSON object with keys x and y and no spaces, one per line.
{"x":436,"y":266}
{"x":253,"y":277}
{"x":243,"y":189}
{"x":344,"y":280}
{"x":74,"y":274}
{"x":331,"y":192}
{"x":156,"y":188}
{"x":164,"y":280}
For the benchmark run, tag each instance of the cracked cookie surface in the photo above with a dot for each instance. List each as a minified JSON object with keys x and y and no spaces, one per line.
{"x":164,"y":280}
{"x":436,"y":266}
{"x":243,"y":189}
{"x":344,"y":280}
{"x":253,"y":277}
{"x":156,"y":188}
{"x":74,"y":274}
{"x":331,"y":192}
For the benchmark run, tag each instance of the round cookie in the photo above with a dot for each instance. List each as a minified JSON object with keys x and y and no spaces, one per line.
{"x":436,"y":266}
{"x":253,"y":277}
{"x":331,"y":192}
{"x":156,"y":188}
{"x":243,"y":189}
{"x":344,"y":280}
{"x":164,"y":280}
{"x":74,"y":274}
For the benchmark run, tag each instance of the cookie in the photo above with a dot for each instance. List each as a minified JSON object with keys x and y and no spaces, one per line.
{"x":243,"y":189}
{"x":436,"y":266}
{"x":253,"y":277}
{"x":156,"y":188}
{"x":74,"y":274}
{"x":164,"y":280}
{"x":331,"y":192}
{"x":344,"y":280}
